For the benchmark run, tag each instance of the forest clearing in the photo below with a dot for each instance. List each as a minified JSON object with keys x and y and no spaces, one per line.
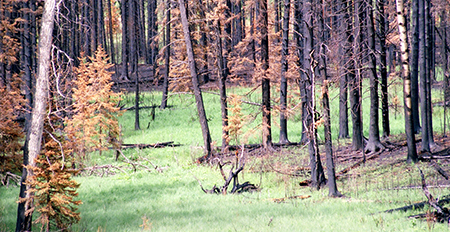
{"x":222,"y":115}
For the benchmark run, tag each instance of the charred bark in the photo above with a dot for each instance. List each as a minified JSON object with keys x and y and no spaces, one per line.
{"x":409,"y":122}
{"x":195,"y":82}
{"x":383,"y":68}
{"x":265,"y":81}
{"x":165,"y":86}
{"x":284,"y":67}
{"x":374,"y":143}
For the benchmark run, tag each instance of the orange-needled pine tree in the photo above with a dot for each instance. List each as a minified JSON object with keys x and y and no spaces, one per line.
{"x":94,"y":124}
{"x":53,"y":188}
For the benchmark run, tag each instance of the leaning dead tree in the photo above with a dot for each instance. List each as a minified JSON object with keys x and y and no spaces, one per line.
{"x":233,"y":177}
{"x":442,"y":214}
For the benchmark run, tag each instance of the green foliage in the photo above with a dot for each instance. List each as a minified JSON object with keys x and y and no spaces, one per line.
{"x":94,"y":124}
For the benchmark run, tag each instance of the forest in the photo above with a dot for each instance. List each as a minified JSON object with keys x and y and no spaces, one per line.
{"x":224,"y":115}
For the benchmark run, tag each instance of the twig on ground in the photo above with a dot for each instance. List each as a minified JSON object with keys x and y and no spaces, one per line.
{"x":159,"y":169}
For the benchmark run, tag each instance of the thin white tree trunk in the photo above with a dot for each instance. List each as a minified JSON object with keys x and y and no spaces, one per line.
{"x":40,"y":101}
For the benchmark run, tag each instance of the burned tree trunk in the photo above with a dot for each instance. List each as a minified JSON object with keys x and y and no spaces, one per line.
{"x":39,"y":111}
{"x":265,"y":81}
{"x":310,"y":64}
{"x":332,"y":187}
{"x":284,"y":67}
{"x":222,"y":86}
{"x":383,"y":68}
{"x":166,"y":58}
{"x":374,"y":143}
{"x":195,"y":82}
{"x":409,"y":122}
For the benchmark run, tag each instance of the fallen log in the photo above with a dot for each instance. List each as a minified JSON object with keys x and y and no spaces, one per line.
{"x":439,"y":169}
{"x":144,"y":107}
{"x":144,"y":146}
{"x":357,"y":164}
{"x":259,"y":145}
{"x":419,"y":205}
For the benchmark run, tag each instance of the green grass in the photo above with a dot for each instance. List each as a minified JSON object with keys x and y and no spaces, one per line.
{"x":173,"y":201}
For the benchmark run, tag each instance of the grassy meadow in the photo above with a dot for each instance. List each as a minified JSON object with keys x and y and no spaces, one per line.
{"x":172,"y":200}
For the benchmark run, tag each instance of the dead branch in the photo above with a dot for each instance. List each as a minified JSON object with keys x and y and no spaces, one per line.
{"x":291,"y":174}
{"x":439,"y":169}
{"x":357,"y":164}
{"x":102,"y":169}
{"x":442,"y":214}
{"x":431,"y":200}
{"x":127,"y":160}
{"x":7,"y":177}
{"x":157,"y":168}
{"x":233,"y":176}
{"x":419,"y":205}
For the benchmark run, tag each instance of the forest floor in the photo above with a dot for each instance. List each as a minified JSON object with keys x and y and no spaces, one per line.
{"x":349,"y":161}
{"x":163,"y":192}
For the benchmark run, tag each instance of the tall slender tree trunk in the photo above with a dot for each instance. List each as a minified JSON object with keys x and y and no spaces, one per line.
{"x":374,"y":143}
{"x":423,"y":76}
{"x":409,"y":122}
{"x":86,"y":40}
{"x":265,"y":81}
{"x":101,"y":25}
{"x":284,"y":67}
{"x":166,"y":58}
{"x":142,"y":42}
{"x":383,"y":68}
{"x":203,"y":42}
{"x":124,"y":14}
{"x":93,"y":28}
{"x":415,"y":65}
{"x":429,"y":37}
{"x":227,"y":40}
{"x":444,"y":58}
{"x":276,"y":23}
{"x":152,"y":31}
{"x":195,"y":82}
{"x":134,"y":56}
{"x":355,"y":81}
{"x":39,"y":110}
{"x":24,"y":222}
{"x":332,"y":187}
{"x":252,"y":42}
{"x":111,"y":33}
{"x":345,"y":27}
{"x":317,"y":174}
{"x":222,"y":86}
{"x":301,"y":81}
